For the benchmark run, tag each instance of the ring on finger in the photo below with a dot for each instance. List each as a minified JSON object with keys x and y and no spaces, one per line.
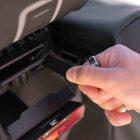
{"x":122,"y":109}
{"x":93,"y":61}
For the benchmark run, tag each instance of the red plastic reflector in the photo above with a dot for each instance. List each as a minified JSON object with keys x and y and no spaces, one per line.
{"x":64,"y":125}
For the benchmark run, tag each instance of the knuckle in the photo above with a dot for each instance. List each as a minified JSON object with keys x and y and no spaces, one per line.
{"x":83,"y":74}
{"x":119,"y":45}
{"x":107,"y":106}
{"x":116,"y":50}
{"x":98,"y":101}
{"x":111,"y":104}
{"x":79,"y":75}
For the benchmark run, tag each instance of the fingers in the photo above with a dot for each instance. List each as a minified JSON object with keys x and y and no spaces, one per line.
{"x":118,"y":119}
{"x":103,"y":99}
{"x":111,"y":104}
{"x":115,"y":117}
{"x":89,"y":91}
{"x":93,"y":76}
{"x":96,"y":95}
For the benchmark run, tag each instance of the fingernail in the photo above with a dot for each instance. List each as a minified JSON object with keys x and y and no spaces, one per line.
{"x":71,"y":74}
{"x":123,"y":121}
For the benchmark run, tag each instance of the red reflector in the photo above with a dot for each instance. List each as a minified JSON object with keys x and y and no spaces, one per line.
{"x":64,"y":125}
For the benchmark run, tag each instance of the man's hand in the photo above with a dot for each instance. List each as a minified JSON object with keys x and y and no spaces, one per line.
{"x":115,"y":83}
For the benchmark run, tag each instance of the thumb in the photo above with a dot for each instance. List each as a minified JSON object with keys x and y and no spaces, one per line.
{"x":92,"y":76}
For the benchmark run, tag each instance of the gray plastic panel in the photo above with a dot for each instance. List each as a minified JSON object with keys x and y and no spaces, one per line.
{"x":20,"y":18}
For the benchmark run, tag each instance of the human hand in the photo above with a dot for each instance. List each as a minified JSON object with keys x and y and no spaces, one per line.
{"x":115,"y":83}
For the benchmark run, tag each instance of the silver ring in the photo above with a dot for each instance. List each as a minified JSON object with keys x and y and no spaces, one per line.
{"x":122,"y":109}
{"x":93,"y":61}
